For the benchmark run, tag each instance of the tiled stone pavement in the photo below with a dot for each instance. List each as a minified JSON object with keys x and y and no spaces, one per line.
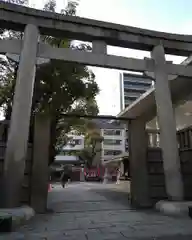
{"x":99,"y":212}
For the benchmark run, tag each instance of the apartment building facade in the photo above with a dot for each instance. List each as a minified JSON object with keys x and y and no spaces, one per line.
{"x":68,"y":153}
{"x":113,"y":143}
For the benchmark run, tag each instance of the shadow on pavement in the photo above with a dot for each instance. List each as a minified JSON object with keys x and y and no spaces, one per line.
{"x":114,"y":194}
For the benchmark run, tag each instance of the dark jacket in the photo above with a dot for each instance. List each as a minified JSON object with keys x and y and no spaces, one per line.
{"x":64,"y":177}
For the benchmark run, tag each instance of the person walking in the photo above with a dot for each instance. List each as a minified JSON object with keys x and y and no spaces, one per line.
{"x":118,"y":176}
{"x":64,"y":178}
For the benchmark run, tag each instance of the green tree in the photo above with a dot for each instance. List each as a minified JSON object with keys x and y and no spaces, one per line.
{"x":60,"y":87}
{"x":90,"y":155}
{"x":8,"y":68}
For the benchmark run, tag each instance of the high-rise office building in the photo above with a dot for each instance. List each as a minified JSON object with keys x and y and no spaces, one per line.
{"x":132,"y":86}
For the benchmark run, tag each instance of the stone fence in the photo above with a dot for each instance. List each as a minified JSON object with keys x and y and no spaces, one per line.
{"x":156,"y":176}
{"x":36,"y":174}
{"x":26,"y":187}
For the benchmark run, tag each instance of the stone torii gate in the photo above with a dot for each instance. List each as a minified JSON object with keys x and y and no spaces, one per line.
{"x":35,"y":22}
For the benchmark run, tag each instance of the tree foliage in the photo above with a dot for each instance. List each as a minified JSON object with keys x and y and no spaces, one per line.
{"x":60,"y":87}
{"x":90,"y":155}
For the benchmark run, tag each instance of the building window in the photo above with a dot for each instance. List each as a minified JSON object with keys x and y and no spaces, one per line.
{"x":131,"y":98}
{"x":112,"y":152}
{"x":136,"y":87}
{"x":111,"y":132}
{"x":78,"y":141}
{"x":137,"y":80}
{"x":112,"y":142}
{"x":74,"y":142}
{"x":68,"y":153}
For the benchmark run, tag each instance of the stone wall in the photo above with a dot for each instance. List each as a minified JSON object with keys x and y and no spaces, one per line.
{"x":25,"y":198}
{"x":146,"y":164}
{"x":156,"y":175}
{"x":36,"y":174}
{"x":186,"y":169}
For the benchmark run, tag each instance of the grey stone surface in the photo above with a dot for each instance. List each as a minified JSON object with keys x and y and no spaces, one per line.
{"x":84,"y":29}
{"x":40,"y":168}
{"x":19,"y":215}
{"x":114,"y":220}
{"x":138,"y":163}
{"x":167,"y":123}
{"x":15,"y":155}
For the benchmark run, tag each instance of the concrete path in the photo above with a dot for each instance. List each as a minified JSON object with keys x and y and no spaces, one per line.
{"x":96,"y":211}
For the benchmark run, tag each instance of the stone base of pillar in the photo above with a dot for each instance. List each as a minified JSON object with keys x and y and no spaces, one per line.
{"x":16,"y":217}
{"x":172,"y":208}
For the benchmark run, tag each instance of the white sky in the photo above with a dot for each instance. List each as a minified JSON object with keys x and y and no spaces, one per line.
{"x":165,"y":15}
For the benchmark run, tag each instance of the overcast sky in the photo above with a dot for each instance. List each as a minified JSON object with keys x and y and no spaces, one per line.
{"x":166,"y":15}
